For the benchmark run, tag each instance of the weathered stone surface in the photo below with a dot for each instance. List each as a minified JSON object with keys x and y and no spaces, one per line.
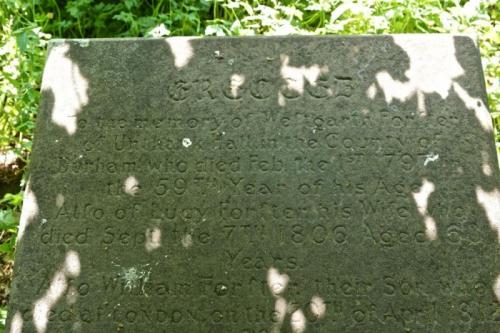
{"x":336,"y":184}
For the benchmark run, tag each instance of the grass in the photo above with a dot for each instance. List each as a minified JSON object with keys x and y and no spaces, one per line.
{"x":26,"y":26}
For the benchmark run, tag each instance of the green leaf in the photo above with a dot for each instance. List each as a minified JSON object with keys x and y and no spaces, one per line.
{"x":124,"y":17}
{"x":7,"y":247}
{"x":8,"y":220}
{"x":22,"y":41}
{"x":131,"y":4}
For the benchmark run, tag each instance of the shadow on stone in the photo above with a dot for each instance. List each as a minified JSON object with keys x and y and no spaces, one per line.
{"x":186,"y":176}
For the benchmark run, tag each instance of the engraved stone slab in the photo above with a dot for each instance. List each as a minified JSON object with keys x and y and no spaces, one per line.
{"x":305,"y":184}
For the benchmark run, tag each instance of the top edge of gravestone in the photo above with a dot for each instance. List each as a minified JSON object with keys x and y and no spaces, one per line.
{"x":57,"y":41}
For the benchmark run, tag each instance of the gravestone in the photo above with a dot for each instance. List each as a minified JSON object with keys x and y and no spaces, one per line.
{"x":278,"y":184}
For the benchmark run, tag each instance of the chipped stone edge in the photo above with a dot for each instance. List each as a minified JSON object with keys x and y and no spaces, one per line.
{"x":57,"y":41}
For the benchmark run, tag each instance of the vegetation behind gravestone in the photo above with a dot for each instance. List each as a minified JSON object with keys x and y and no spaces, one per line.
{"x":26,"y":27}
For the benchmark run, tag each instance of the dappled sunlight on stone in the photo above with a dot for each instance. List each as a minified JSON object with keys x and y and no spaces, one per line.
{"x":59,"y":200}
{"x":29,"y":212}
{"x":189,"y":199}
{"x":72,"y":264}
{"x":71,"y":295}
{"x":371,"y":92}
{"x":187,"y":241}
{"x":475,"y":104}
{"x":490,"y":201}
{"x":430,"y":228}
{"x":17,"y":323}
{"x":153,"y":239}
{"x":318,"y":306}
{"x":422,"y":201}
{"x":496,"y":288}
{"x":431,"y":157}
{"x":487,"y":171}
{"x":298,"y":321}
{"x":280,"y":307}
{"x":58,"y":285}
{"x":433,"y":63}
{"x":63,"y":78}
{"x":486,"y":167}
{"x":433,"y":67}
{"x":237,"y":80}
{"x":181,"y":49}
{"x":187,"y":142}
{"x":131,"y":186}
{"x":297,"y":77}
{"x":394,"y":89}
{"x":42,"y":306}
{"x":276,"y":282}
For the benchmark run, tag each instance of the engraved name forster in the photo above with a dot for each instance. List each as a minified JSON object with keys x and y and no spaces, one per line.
{"x":261,"y":185}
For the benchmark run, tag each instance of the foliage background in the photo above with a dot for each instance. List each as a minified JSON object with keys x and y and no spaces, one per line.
{"x":27,"y":25}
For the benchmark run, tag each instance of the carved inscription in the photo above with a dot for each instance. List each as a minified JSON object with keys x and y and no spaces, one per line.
{"x":286,"y":196}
